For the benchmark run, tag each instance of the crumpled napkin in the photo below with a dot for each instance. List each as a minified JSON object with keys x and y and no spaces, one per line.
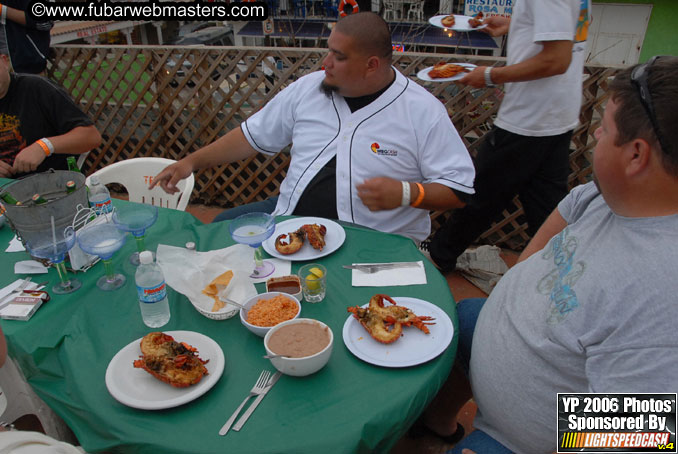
{"x":482,"y":266}
{"x":190,"y":272}
{"x":392,"y":277}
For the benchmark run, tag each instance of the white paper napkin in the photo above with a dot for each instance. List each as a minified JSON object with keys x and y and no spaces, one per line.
{"x":29,"y":267}
{"x":15,"y":245}
{"x":189,"y":272}
{"x":396,"y":276}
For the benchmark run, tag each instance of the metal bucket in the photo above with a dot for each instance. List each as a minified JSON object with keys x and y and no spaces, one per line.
{"x":30,"y":221}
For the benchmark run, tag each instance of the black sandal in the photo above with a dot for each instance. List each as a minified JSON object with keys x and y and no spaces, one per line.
{"x":419,"y":430}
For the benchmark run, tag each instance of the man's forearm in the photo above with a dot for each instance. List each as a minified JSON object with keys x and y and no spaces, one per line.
{"x":554,"y":59}
{"x":228,"y":148}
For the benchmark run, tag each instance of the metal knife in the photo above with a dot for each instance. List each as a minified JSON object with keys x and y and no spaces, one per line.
{"x":243,"y":419}
{"x":382,"y":266}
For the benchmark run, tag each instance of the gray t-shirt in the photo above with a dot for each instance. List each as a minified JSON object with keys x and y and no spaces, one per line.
{"x":594,"y":311}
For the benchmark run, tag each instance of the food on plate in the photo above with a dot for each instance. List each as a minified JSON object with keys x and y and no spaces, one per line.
{"x":448,"y":21}
{"x":444,"y":70}
{"x":315,"y":233}
{"x":289,"y":243}
{"x":476,"y":20}
{"x":217,"y":285}
{"x":385,"y":323}
{"x":299,"y":340}
{"x":175,"y":363}
{"x":312,"y":278}
{"x":270,"y":312}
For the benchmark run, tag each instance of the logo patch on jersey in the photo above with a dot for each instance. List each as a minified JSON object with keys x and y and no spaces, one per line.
{"x":376,"y":149}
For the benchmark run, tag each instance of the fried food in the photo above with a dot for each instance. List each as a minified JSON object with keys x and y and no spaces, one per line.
{"x":214,"y":287}
{"x":315,"y":234}
{"x":172,"y":362}
{"x":289,"y":243}
{"x":385,"y":323}
{"x":476,"y":20}
{"x":448,"y":21}
{"x":444,"y":70}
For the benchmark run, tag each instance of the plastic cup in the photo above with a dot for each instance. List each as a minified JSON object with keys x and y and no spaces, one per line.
{"x":313,"y":282}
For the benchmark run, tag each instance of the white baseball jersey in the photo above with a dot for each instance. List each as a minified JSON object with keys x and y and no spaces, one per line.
{"x":404,"y":134}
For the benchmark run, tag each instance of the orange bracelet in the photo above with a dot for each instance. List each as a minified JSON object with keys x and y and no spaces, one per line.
{"x":43,"y":145}
{"x":46,"y":146}
{"x":420,"y":196}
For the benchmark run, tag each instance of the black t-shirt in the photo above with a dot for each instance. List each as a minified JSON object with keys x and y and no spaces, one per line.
{"x":320,"y":196}
{"x":34,"y":107}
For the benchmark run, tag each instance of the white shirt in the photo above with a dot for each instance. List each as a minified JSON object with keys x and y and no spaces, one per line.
{"x":547,"y":106}
{"x":405,"y":134}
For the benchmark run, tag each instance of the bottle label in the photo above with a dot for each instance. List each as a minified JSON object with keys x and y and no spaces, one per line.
{"x":152,"y":294}
{"x":103,"y":206}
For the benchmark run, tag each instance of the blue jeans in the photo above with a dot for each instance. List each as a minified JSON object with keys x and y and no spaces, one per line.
{"x":265,"y":206}
{"x":478,"y":441}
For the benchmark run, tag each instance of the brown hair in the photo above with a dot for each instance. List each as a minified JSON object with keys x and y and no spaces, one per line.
{"x":632,"y":119}
{"x":370,"y":32}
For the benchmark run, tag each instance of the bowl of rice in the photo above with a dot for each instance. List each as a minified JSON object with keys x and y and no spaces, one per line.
{"x":262,"y":312}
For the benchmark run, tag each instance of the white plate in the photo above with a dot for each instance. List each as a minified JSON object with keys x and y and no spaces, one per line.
{"x":423,"y":74}
{"x":460,"y":23}
{"x":334,"y":238}
{"x":137,"y":388}
{"x":414,"y":347}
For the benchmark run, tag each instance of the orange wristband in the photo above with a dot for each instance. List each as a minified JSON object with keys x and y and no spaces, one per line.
{"x":46,"y":146}
{"x":420,"y":196}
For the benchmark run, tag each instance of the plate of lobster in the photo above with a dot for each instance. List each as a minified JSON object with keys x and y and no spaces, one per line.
{"x":305,"y":238}
{"x":158,"y":387}
{"x":397,"y":332}
{"x":445,"y":72}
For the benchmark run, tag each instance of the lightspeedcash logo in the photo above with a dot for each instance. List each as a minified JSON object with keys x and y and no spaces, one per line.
{"x":148,"y":10}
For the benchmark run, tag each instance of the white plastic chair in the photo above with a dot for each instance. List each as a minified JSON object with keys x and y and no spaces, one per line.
{"x":416,"y":10}
{"x":137,"y":173}
{"x":18,"y":399}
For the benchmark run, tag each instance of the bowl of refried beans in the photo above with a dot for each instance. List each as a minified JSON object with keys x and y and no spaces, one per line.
{"x":306,"y":343}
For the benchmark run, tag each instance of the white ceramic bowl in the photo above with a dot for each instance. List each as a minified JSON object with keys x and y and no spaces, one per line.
{"x":291,"y":279}
{"x":300,"y":367}
{"x":262,"y":330}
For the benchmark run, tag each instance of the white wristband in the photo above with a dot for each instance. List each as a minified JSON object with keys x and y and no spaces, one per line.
{"x":3,"y":15}
{"x":46,"y":141}
{"x":488,"y":77}
{"x":406,"y":194}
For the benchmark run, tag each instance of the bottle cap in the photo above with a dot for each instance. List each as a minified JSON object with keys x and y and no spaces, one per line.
{"x":94,"y":179}
{"x":145,"y":257}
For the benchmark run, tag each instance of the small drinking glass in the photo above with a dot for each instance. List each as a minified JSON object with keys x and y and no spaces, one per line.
{"x":313,"y":282}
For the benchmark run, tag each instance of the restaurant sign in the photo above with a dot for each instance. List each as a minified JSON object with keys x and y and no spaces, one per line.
{"x":489,"y":7}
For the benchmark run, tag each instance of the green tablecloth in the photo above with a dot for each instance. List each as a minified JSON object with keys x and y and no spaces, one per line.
{"x":349,"y":406}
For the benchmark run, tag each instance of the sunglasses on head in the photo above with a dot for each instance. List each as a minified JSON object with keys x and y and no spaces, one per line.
{"x":639,"y":78}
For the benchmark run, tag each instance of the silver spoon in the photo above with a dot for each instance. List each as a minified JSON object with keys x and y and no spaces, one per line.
{"x":276,"y":356}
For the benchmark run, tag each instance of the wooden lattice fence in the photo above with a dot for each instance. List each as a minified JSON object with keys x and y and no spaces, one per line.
{"x":170,"y":101}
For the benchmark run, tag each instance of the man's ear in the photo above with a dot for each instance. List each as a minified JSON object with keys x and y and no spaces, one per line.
{"x":638,"y":156}
{"x":373,"y":64}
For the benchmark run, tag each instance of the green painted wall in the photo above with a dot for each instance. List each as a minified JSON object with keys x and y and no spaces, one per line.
{"x":661,"y":37}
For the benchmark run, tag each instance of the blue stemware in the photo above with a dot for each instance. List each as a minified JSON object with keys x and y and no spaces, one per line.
{"x":104,"y":240}
{"x":252,"y":229}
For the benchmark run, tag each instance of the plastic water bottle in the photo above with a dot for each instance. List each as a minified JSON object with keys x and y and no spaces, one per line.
{"x":99,"y":197}
{"x":152,"y":292}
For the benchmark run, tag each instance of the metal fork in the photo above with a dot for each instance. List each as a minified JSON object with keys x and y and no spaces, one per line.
{"x":257,"y":389}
